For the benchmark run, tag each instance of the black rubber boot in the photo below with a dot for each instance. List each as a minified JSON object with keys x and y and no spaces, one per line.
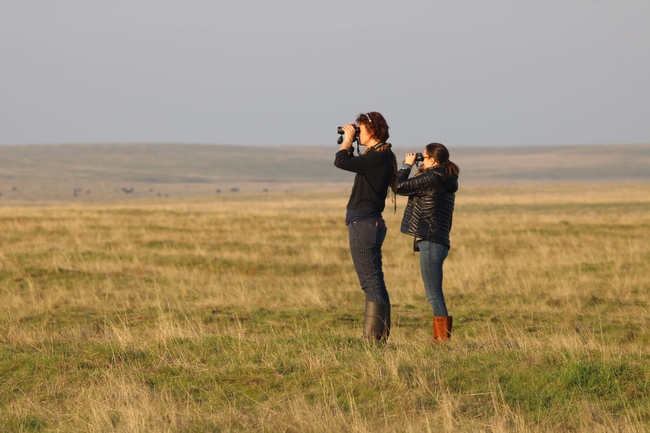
{"x":376,"y":321}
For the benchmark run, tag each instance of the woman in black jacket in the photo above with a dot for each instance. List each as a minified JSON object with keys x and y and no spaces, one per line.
{"x":428,"y":217}
{"x":375,"y":170}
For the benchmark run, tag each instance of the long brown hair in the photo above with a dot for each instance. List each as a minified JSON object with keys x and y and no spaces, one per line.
{"x":378,"y":128}
{"x":386,"y":147}
{"x":440,"y":153}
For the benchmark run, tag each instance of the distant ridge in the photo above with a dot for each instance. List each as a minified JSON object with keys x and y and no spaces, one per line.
{"x":100,"y":171}
{"x":555,"y":164}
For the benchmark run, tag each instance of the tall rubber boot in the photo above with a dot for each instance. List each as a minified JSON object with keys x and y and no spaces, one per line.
{"x":376,"y":321}
{"x":442,"y":328}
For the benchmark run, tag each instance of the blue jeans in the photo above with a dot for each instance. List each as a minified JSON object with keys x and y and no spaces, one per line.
{"x":366,"y":238}
{"x":432,"y":256}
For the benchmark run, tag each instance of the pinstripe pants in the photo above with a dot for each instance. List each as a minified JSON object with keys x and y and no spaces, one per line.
{"x":366,"y":238}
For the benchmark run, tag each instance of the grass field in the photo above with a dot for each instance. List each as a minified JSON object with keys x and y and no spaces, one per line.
{"x":243,"y":313}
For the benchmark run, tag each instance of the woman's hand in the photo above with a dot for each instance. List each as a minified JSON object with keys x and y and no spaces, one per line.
{"x":349,"y":136}
{"x":409,"y":159}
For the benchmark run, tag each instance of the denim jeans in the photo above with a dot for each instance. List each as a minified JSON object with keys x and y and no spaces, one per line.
{"x":366,"y":238}
{"x":432,"y":256}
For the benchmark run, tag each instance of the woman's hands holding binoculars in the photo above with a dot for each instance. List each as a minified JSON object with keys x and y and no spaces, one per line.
{"x":410,"y":159}
{"x":350,"y":130}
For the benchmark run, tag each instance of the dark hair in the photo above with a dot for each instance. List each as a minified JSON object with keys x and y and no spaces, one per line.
{"x":440,"y":153}
{"x":375,"y":124}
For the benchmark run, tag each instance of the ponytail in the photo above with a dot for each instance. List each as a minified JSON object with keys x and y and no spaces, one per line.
{"x":451,"y":168}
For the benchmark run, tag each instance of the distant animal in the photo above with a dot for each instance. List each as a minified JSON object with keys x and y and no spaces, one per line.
{"x":127,"y":190}
{"x":87,"y":191}
{"x":234,"y":189}
{"x":265,"y":190}
{"x":158,"y":194}
{"x":218,"y":191}
{"x":15,"y":188}
{"x":150,"y":189}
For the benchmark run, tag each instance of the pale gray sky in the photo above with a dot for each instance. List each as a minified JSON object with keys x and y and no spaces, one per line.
{"x":289,"y":72}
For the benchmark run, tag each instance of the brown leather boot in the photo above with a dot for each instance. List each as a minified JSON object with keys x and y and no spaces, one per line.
{"x":442,"y":328}
{"x":376,"y":321}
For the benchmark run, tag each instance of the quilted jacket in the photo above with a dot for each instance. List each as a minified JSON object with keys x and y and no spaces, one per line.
{"x":430,"y":208}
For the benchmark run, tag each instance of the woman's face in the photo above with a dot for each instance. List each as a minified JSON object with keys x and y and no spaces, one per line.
{"x":364,"y":135}
{"x":428,"y":161}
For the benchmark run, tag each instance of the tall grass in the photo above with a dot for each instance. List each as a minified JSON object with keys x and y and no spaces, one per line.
{"x":243,"y":313}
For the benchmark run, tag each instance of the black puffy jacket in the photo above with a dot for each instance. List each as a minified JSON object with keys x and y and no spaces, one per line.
{"x":429,"y":211}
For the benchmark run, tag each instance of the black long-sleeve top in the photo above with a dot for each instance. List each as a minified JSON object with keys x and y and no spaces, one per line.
{"x":374,"y":170}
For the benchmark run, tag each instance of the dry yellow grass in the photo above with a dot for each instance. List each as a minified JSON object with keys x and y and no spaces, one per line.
{"x":242,"y":313}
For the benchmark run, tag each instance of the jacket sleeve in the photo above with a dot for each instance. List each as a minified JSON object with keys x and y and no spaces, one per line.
{"x":415,"y":186}
{"x":356,"y":164}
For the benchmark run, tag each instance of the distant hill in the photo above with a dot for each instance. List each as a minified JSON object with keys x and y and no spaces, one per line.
{"x":555,"y":164}
{"x":101,"y":172}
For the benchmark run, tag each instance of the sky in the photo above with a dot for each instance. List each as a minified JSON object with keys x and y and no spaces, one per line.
{"x":463,"y":73}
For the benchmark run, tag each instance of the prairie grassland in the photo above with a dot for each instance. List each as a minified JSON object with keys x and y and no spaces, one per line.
{"x":243,"y":313}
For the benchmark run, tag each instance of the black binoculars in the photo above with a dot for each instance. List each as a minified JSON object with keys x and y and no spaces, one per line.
{"x":341,"y":132}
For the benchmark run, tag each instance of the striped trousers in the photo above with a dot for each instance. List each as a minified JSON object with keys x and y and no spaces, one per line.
{"x":366,"y":238}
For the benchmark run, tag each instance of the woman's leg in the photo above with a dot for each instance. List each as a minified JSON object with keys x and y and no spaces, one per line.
{"x":366,"y":239}
{"x":432,"y":256}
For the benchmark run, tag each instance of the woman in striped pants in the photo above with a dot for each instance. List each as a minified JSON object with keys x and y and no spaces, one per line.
{"x":375,"y":170}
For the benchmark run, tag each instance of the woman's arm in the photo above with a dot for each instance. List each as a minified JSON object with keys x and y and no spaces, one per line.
{"x":356,"y":164}
{"x":345,"y":160}
{"x":415,"y":186}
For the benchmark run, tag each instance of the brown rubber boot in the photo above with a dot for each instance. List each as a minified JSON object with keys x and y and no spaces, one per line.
{"x":442,"y":328}
{"x":376,"y":321}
